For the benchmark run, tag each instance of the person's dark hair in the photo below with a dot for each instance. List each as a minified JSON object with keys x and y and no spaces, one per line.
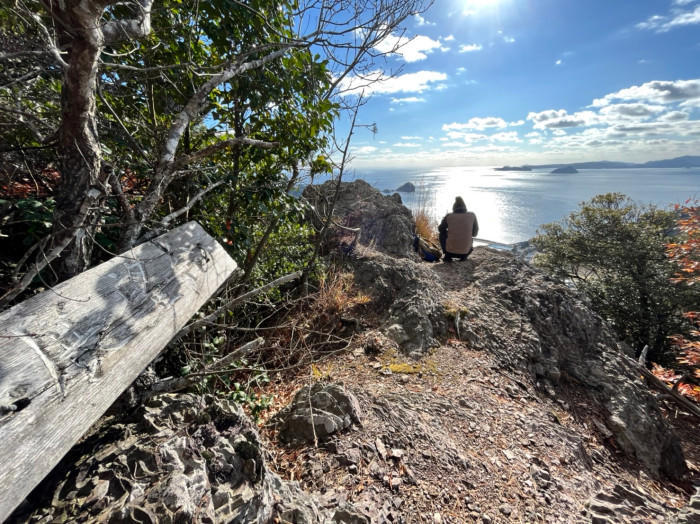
{"x":459,"y":205}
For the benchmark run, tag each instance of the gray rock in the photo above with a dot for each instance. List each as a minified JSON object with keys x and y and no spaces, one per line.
{"x":529,"y":321}
{"x":385,"y":223}
{"x":409,"y":294}
{"x":189,"y":459}
{"x":317,"y":411}
{"x":626,"y":504}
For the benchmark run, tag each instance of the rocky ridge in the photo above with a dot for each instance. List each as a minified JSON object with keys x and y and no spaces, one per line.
{"x":484,"y":391}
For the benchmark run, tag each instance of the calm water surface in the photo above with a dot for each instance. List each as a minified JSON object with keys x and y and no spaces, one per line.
{"x":511,"y":205}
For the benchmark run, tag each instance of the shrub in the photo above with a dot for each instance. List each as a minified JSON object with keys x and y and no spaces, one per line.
{"x":614,"y":251}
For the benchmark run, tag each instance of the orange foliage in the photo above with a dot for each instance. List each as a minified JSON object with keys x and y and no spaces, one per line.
{"x":686,"y":253}
{"x":40,"y":186}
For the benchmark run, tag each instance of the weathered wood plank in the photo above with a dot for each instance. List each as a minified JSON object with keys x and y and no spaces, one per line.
{"x":68,"y":353}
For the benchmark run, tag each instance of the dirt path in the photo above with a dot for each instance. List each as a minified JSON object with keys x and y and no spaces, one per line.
{"x":454,"y":438}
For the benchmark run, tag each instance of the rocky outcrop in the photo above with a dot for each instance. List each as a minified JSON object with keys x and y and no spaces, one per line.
{"x":626,"y":504}
{"x":410,"y":297}
{"x":529,"y":322}
{"x":385,"y":224}
{"x":317,"y":412}
{"x":188,"y":459}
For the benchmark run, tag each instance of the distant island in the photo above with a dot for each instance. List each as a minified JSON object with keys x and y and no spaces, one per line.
{"x":678,"y":162}
{"x":566,"y":170}
{"x":513,"y":168}
{"x":407,"y":188}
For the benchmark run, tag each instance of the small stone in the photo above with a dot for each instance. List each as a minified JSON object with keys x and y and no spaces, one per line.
{"x":381,"y":448}
{"x":437,"y":518}
{"x":397,"y":453}
{"x":395,"y":483}
{"x":486,"y":519}
{"x":505,"y":509}
{"x":352,"y":468}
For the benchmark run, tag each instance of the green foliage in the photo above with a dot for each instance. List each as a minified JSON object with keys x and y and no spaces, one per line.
{"x":613,"y":250}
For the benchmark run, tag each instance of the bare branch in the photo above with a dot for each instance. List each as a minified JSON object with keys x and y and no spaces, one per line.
{"x":90,"y":199}
{"x":209,"y":318}
{"x":190,"y":204}
{"x":120,"y":30}
{"x":210,"y":150}
{"x":177,"y":384}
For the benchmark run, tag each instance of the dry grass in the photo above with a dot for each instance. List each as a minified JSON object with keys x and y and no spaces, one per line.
{"x":425,"y":220}
{"x":426,"y":226}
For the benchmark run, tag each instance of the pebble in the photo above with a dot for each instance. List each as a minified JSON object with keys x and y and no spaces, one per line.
{"x":505,"y":509}
{"x":437,"y":518}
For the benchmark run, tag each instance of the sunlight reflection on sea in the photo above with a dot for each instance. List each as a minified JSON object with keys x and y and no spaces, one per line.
{"x":511,"y":205}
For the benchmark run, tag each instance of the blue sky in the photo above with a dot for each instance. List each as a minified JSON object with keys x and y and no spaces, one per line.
{"x":492,"y":82}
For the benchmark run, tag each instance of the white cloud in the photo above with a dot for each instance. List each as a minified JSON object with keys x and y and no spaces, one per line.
{"x":410,"y":49}
{"x":469,"y":48}
{"x":406,"y":144}
{"x":364,"y":150}
{"x":557,"y":119}
{"x":466,"y":137}
{"x":461,"y":70}
{"x":516,"y":123}
{"x":656,"y":91}
{"x":510,"y":136}
{"x":376,"y":82}
{"x":558,"y":62}
{"x":533,"y":134}
{"x":677,"y":18}
{"x":407,"y":100}
{"x":477,"y":123}
{"x":420,"y":21}
{"x":449,"y":38}
{"x":508,"y":39}
{"x":559,"y":132}
{"x":411,"y":138}
{"x":631,"y":111}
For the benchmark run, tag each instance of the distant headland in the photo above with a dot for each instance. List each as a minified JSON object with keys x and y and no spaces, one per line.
{"x":513,"y":168}
{"x":678,"y":162}
{"x":565,"y":170}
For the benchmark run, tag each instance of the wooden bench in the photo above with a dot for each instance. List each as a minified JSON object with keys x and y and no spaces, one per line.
{"x":67,"y":353}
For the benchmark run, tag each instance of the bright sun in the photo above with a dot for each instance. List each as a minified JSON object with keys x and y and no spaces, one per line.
{"x":476,"y":5}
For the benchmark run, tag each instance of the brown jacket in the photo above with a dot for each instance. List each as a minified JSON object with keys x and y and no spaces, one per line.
{"x":461,"y":229}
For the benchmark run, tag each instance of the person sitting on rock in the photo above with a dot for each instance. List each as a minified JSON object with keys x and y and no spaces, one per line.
{"x":457,"y":231}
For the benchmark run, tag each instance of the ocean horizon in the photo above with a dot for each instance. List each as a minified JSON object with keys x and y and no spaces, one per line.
{"x":512,"y":205}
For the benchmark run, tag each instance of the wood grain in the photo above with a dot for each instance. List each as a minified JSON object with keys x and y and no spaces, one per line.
{"x":66,"y":354}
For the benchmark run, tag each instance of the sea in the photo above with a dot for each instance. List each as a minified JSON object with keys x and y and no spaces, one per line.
{"x":512,"y":205}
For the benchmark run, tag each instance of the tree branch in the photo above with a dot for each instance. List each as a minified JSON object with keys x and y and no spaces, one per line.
{"x":209,"y":150}
{"x":173,"y":384}
{"x":209,"y":318}
{"x":166,"y":220}
{"x":133,"y":29}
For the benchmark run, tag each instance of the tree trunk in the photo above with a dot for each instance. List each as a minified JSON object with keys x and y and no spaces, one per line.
{"x":78,"y":144}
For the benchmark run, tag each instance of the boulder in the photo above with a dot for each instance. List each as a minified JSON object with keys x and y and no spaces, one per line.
{"x":317,"y":412}
{"x":384,"y":222}
{"x":409,"y":295}
{"x":185,"y":459}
